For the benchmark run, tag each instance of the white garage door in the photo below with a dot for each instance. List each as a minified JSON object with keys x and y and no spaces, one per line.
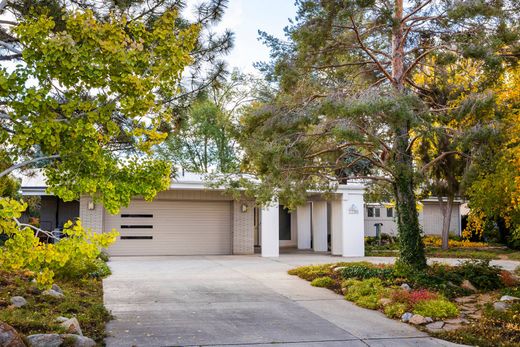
{"x":172,"y":228}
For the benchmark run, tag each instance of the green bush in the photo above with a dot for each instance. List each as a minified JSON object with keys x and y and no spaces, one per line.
{"x":366,"y":270}
{"x":311,"y":272}
{"x":480,"y":274}
{"x":395,"y":310}
{"x":436,"y":308}
{"x":365,"y":293}
{"x":326,"y":282}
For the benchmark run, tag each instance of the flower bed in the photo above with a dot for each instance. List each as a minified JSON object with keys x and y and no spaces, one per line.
{"x":451,"y":302}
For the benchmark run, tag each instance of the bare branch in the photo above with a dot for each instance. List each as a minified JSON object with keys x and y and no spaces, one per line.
{"x":369,"y":53}
{"x":441,"y":157}
{"x":28,"y":162}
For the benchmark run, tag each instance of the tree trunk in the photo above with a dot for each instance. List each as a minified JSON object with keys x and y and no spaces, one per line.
{"x":411,"y":247}
{"x":446,"y":220}
{"x":411,"y":250}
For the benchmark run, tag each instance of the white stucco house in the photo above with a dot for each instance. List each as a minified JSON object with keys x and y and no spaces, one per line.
{"x":190,"y":219}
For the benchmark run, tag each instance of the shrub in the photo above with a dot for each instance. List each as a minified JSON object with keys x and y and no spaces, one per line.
{"x":326,"y":282}
{"x":365,"y":293}
{"x":436,"y":308}
{"x":409,"y":299}
{"x":71,"y":256}
{"x":395,"y":310}
{"x":366,"y":270}
{"x":311,"y":272}
{"x":480,"y":274}
{"x":436,"y":241}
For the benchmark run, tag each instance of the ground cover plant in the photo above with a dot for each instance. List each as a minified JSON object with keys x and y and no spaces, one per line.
{"x":83,"y":299}
{"x":466,"y":300}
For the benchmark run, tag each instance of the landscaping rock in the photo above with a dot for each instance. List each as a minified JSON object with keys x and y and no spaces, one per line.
{"x":456,"y":321}
{"x":428,"y":319}
{"x":56,"y":288}
{"x":509,"y":298}
{"x":61,"y":319}
{"x":384,"y":301}
{"x":53,"y":293}
{"x":476,"y":316}
{"x":501,"y":306}
{"x":9,"y":336}
{"x":406,"y":316}
{"x":78,"y":341}
{"x":18,"y":301}
{"x":465,"y":299}
{"x":72,"y":326}
{"x":468,"y":286}
{"x":45,"y":340}
{"x":435,"y":326}
{"x":339,"y":268}
{"x":417,"y":319}
{"x":406,"y":287}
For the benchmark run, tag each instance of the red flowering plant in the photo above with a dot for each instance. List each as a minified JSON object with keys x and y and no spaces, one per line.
{"x":411,"y":298}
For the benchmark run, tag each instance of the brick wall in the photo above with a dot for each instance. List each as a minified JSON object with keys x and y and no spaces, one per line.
{"x":243,"y":227}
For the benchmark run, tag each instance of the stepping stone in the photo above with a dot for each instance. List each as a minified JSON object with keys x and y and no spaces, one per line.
{"x":456,"y":321}
{"x":465,"y":299}
{"x":435,"y":326}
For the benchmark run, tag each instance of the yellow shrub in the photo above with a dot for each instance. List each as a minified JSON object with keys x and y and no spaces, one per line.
{"x":24,"y":251}
{"x":436,"y":241}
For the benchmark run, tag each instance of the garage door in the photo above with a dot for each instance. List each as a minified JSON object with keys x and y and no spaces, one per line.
{"x":172,"y":228}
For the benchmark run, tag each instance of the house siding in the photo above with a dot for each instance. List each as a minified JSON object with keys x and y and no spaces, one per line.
{"x":433,"y":218}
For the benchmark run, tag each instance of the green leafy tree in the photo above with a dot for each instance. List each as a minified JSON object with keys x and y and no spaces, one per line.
{"x":347,"y":91}
{"x":94,"y":90}
{"x":205,"y":139}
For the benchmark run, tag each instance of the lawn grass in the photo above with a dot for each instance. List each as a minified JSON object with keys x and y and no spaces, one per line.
{"x":83,"y":299}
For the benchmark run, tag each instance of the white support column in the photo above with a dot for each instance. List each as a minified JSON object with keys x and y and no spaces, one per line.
{"x":336,"y":227}
{"x":269,"y":228}
{"x":319,"y":226}
{"x":353,"y":223}
{"x":303,"y":226}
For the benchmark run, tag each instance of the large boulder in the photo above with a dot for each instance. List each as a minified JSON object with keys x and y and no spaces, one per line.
{"x":45,"y":340}
{"x":72,"y":326}
{"x":18,"y":301}
{"x":9,"y":336}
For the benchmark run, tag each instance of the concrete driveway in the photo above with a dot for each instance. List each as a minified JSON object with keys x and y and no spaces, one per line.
{"x":238,"y":301}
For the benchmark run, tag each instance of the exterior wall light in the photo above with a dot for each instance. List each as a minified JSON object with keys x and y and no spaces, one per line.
{"x":243,"y":208}
{"x":353,"y":209}
{"x":91,"y":205}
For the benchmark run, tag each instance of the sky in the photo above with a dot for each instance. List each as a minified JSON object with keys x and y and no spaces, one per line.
{"x":245,"y":18}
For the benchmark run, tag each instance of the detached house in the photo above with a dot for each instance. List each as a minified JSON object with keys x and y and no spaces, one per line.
{"x":190,"y":219}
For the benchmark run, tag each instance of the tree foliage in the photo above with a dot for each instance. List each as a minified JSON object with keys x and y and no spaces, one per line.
{"x":96,"y":87}
{"x":348,"y":95}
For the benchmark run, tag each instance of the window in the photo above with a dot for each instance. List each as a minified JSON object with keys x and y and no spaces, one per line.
{"x":373,"y":212}
{"x":390,"y":212}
